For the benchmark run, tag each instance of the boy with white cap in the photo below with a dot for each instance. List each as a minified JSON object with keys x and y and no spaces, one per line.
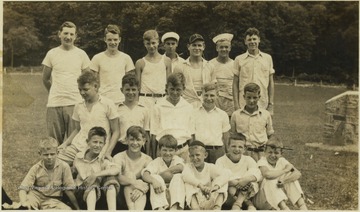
{"x":171,"y":42}
{"x":224,"y":72}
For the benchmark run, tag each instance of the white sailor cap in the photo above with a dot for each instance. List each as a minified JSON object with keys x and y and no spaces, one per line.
{"x":223,"y":37}
{"x":170,"y":35}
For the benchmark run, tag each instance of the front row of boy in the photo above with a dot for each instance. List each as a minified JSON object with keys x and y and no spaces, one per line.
{"x":174,"y":185}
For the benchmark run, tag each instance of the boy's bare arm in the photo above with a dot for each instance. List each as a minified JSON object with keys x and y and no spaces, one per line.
{"x":115,"y":129}
{"x":68,"y":141}
{"x":46,"y":77}
{"x":139,"y":65}
{"x":236,"y":92}
{"x":175,"y":169}
{"x":293,"y":175}
{"x":156,"y":184}
{"x":72,"y":198}
{"x":273,"y":174}
{"x":168,"y":66}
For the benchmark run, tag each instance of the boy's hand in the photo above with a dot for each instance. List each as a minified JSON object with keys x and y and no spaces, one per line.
{"x":27,"y":205}
{"x":205,"y":189}
{"x":215,"y":188}
{"x":90,"y":180}
{"x":157,"y":187}
{"x":241,"y":183}
{"x":135,"y":194}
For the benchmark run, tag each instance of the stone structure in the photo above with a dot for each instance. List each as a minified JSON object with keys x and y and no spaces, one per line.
{"x":342,"y":119}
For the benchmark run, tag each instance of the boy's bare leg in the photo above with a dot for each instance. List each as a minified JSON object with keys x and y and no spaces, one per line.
{"x":239,"y":201}
{"x":301,"y":204}
{"x":194,"y":204}
{"x":111,"y":197}
{"x":283,"y":206}
{"x":219,"y":201}
{"x":91,"y":200}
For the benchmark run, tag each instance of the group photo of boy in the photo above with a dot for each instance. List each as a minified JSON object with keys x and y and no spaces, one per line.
{"x":163,"y":133}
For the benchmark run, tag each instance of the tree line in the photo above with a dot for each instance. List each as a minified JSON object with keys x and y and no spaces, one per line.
{"x":319,"y":39}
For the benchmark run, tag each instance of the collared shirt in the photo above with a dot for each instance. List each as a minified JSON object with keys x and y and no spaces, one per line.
{"x":256,"y":127}
{"x":210,"y":125}
{"x":175,"y":120}
{"x":207,"y":75}
{"x":245,"y":167}
{"x":131,"y":168}
{"x":50,"y":183}
{"x":100,"y":115}
{"x":158,"y":165}
{"x":85,"y":167}
{"x":111,"y":71}
{"x":66,"y":68}
{"x":257,"y":69}
{"x":175,"y":61}
{"x":139,"y":116}
{"x":224,"y":73}
{"x":210,"y":174}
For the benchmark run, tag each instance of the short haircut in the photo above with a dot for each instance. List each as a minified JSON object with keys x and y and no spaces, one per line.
{"x":68,"y":24}
{"x":168,"y":141}
{"x":252,"y":31}
{"x":196,"y":144}
{"x":135,"y":131}
{"x":129,"y":79}
{"x":47,"y":143}
{"x":209,"y":87}
{"x":176,"y":79}
{"x":237,"y":136}
{"x":252,"y":87}
{"x":88,"y":77}
{"x":151,"y":34}
{"x":274,"y":142}
{"x":113,"y":29}
{"x":99,"y":131}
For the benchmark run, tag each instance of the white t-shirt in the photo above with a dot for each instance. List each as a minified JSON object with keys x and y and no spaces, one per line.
{"x":111,"y":71}
{"x":66,"y":67}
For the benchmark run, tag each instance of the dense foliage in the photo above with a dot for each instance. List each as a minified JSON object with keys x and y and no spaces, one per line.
{"x":303,"y":37}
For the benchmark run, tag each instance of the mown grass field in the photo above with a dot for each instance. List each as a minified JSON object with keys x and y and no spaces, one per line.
{"x":329,"y":180}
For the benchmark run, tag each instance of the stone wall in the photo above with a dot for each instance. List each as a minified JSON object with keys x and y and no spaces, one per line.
{"x":342,"y":119}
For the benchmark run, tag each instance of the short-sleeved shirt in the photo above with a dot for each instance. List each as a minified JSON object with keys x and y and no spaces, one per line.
{"x":280,"y":164}
{"x":85,"y":167}
{"x":100,"y":115}
{"x":49,"y":183}
{"x":245,"y":166}
{"x":257,"y":69}
{"x":210,"y":125}
{"x":66,"y":67}
{"x":153,"y":77}
{"x":131,"y":168}
{"x":158,"y":165}
{"x":111,"y":71}
{"x":256,"y":127}
{"x":137,"y":116}
{"x":224,"y":74}
{"x":175,"y":120}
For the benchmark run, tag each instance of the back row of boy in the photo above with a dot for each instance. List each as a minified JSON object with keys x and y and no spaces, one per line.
{"x":201,"y":185}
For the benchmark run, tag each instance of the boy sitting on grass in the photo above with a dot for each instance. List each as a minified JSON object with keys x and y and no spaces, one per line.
{"x":205,"y":183}
{"x":244,"y":173}
{"x":165,"y":171}
{"x":43,"y":186}
{"x":280,"y":180}
{"x":91,"y":171}
{"x":132,"y":162}
{"x":253,"y":122}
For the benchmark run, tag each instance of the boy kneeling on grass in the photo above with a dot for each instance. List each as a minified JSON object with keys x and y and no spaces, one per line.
{"x":164,"y":176}
{"x":280,"y":180}
{"x":91,"y":171}
{"x":43,"y":186}
{"x":205,"y":183}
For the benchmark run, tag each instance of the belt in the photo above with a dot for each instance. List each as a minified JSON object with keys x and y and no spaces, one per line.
{"x":199,"y":93}
{"x":152,"y":94}
{"x":256,"y":149}
{"x":182,"y":145}
{"x":212,"y":147}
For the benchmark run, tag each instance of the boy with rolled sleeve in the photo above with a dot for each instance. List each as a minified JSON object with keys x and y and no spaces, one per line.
{"x":43,"y":186}
{"x":253,"y":122}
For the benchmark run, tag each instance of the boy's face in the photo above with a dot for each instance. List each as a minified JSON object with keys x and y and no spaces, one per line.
{"x":170,"y":45}
{"x":112,"y":41}
{"x":272,"y":155}
{"x":151,"y":45}
{"x":251,"y":99}
{"x":209,"y":98}
{"x":174,"y":92}
{"x":236,"y":149}
{"x":130,"y":92}
{"x":49,"y":155}
{"x":96,"y":143}
{"x":135,"y":144}
{"x":88,"y":91}
{"x":223,"y":48}
{"x":167,"y":153}
{"x":197,"y":48}
{"x":197,"y":156}
{"x":252,"y":42}
{"x":67,"y":36}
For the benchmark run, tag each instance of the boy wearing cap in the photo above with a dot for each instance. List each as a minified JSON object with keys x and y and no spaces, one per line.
{"x":205,"y":183}
{"x":254,"y":66}
{"x":111,"y":65}
{"x":211,"y":124}
{"x":197,"y":71}
{"x":280,"y":180}
{"x":151,"y":71}
{"x":171,"y":42}
{"x":224,"y":72}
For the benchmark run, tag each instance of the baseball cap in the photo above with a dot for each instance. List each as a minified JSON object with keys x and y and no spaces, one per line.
{"x":223,"y":37}
{"x":195,"y":37}
{"x":170,"y":35}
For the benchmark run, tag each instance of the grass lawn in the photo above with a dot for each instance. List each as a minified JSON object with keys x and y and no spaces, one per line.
{"x":329,"y":180}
